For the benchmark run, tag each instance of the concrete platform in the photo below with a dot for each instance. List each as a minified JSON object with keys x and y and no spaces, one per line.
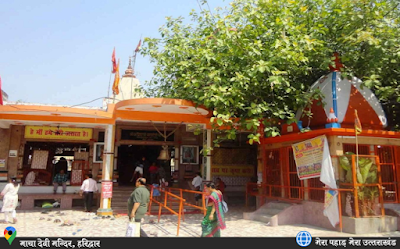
{"x":276,"y":213}
{"x":65,"y":200}
{"x":369,"y":225}
{"x":37,"y":224}
{"x":393,"y":209}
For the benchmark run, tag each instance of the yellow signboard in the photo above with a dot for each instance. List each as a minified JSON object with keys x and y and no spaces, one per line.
{"x":233,"y":170}
{"x":64,"y":133}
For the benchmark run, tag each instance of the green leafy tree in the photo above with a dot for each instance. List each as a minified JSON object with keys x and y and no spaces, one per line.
{"x":256,"y":59}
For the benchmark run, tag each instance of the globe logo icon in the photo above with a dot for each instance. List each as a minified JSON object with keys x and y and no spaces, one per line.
{"x":303,"y":238}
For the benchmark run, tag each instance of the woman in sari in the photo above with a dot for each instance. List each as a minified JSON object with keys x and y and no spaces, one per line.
{"x":214,"y":221}
{"x":10,"y":199}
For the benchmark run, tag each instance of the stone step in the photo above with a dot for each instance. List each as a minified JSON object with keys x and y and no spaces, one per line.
{"x":119,"y":204}
{"x":269,"y":211}
{"x":263,"y":218}
{"x":121,"y":194}
{"x":393,"y":206}
{"x":278,"y":205}
{"x":123,"y":191}
{"x":124,"y":198}
{"x":119,"y":200}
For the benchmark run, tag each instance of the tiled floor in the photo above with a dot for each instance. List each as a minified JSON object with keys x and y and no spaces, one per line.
{"x":37,"y":224}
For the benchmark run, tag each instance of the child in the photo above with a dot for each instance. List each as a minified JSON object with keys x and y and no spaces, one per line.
{"x":156,"y":191}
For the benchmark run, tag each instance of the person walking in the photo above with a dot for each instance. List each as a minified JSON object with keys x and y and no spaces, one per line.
{"x":214,"y":220}
{"x":60,"y":179}
{"x":197,"y":185}
{"x":138,"y":172}
{"x":138,"y":204}
{"x":145,"y":167}
{"x":10,"y":199}
{"x":89,"y":186}
{"x":153,"y":170}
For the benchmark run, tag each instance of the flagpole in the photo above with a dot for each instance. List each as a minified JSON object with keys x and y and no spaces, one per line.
{"x":112,"y":71}
{"x":356,"y":205}
{"x":134,"y":63}
{"x":109,"y":83}
{"x":133,"y":71}
{"x":134,"y":56}
{"x":357,"y":149}
{"x":356,"y":145}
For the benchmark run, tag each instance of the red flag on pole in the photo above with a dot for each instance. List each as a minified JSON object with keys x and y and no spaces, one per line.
{"x":114,"y":62}
{"x":357,"y":123}
{"x":116,"y":81}
{"x":1,"y":94}
{"x":138,"y":46}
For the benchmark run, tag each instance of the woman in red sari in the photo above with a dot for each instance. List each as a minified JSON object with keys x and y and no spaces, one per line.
{"x":214,"y":220}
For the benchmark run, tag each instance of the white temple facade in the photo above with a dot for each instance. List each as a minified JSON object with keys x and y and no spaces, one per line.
{"x":129,"y":87}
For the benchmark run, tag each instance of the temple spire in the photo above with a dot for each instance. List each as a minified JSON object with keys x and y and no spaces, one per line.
{"x":129,"y":70}
{"x":130,"y":62}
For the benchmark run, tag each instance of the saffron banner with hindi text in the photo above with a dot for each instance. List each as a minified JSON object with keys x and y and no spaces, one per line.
{"x":233,"y":170}
{"x":64,"y":133}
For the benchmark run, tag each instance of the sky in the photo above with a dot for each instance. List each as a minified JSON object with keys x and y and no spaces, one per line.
{"x":59,"y":52}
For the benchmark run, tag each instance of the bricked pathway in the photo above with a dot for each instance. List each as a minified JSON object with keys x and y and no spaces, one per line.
{"x":36,"y":224}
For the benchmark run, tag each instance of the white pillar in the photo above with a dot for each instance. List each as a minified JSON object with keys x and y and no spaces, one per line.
{"x":108,"y":162}
{"x":176,"y":159}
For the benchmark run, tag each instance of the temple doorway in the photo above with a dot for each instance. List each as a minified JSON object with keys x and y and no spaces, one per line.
{"x":129,"y":155}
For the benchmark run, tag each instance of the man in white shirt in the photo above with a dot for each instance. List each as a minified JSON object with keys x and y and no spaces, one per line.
{"x":197,"y":184}
{"x":89,"y":186}
{"x":138,"y":172}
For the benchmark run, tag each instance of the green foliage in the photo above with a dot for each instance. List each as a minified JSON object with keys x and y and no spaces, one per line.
{"x":256,"y":59}
{"x":366,"y":174}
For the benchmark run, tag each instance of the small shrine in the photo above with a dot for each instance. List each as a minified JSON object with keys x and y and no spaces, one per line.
{"x":342,"y":97}
{"x":340,"y":177}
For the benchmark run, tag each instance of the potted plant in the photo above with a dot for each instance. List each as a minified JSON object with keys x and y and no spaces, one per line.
{"x":366,"y":174}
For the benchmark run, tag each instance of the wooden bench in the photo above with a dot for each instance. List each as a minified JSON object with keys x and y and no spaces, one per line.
{"x":28,"y":200}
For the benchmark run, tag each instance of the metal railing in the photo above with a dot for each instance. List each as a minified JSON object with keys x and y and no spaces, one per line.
{"x":182,"y":191}
{"x":167,"y":197}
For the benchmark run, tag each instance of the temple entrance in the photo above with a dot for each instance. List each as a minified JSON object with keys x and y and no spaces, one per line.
{"x":129,"y":155}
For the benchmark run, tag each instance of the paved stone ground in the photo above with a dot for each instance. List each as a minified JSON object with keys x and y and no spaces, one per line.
{"x":37,"y":224}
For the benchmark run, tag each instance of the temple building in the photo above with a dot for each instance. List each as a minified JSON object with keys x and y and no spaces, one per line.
{"x":109,"y":141}
{"x":339,"y":169}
